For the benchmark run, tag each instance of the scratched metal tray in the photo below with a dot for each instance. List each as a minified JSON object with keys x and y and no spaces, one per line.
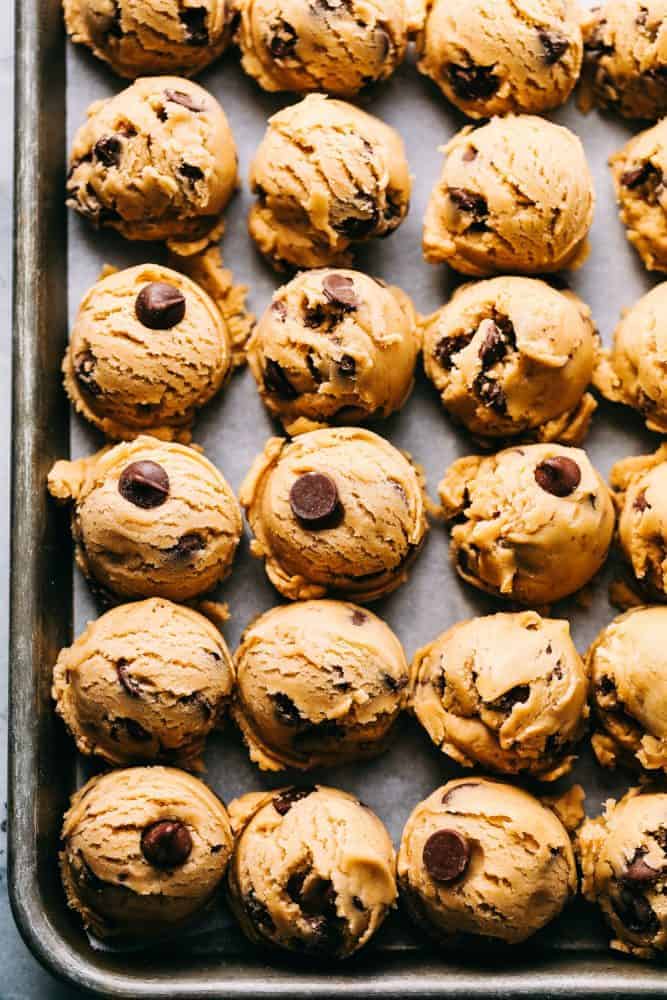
{"x":57,"y":258}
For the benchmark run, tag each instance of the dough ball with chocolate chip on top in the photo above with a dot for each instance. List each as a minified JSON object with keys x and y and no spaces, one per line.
{"x":313,"y":871}
{"x":327,"y":176}
{"x":140,"y":37}
{"x":147,"y":681}
{"x":506,"y":693}
{"x":144,"y":851}
{"x":155,"y":162}
{"x":623,"y":856}
{"x":513,"y":357}
{"x":334,"y":347}
{"x":640,"y":179}
{"x":639,"y":486}
{"x":491,"y":57}
{"x":515,"y":195}
{"x":150,"y":519}
{"x":319,"y":683}
{"x":481,"y":862}
{"x":531,"y":524}
{"x":337,"y":512}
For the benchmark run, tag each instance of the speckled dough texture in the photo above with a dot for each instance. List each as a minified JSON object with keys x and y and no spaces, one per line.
{"x":623,"y":857}
{"x":627,"y":664}
{"x":506,"y":692}
{"x":513,"y":357}
{"x":313,"y":871}
{"x":330,"y":46}
{"x":625,"y":58}
{"x":639,"y":486}
{"x":368,"y":547}
{"x":155,"y":162}
{"x":141,"y":37}
{"x":334,"y":347}
{"x":515,"y":195}
{"x":326,"y":175}
{"x":108,"y":880}
{"x":147,"y":681}
{"x":521,"y":871}
{"x":491,"y":57}
{"x":178,"y":550}
{"x":319,"y":683}
{"x":639,"y":171}
{"x":512,"y":538}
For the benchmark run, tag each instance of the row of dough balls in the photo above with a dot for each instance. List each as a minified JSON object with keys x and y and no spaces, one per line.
{"x":312,"y":870}
{"x":158,"y":162}
{"x":487,"y":56}
{"x":320,"y":683}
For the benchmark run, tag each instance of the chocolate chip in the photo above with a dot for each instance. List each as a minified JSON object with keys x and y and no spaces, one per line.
{"x":347,"y":366}
{"x":606,"y":686}
{"x":258,"y":912}
{"x":446,"y":855}
{"x":494,"y":346}
{"x":283,"y":42}
{"x":187,"y":101}
{"x":144,"y":484}
{"x":136,"y":731}
{"x":637,"y":176}
{"x":515,"y":696}
{"x":469,"y":154}
{"x":339,"y":290}
{"x":641,"y":503}
{"x":314,"y":498}
{"x":472,"y":83}
{"x":294,"y":885}
{"x":283,"y":802}
{"x":193,"y":20}
{"x":472,"y":204}
{"x":107,"y":150}
{"x":358,"y":227}
{"x":315,"y":373}
{"x":359,"y":617}
{"x":187,"y":545}
{"x":275,"y":380}
{"x":555,"y":45}
{"x":638,"y":872}
{"x":446,"y":348}
{"x":84,"y":370}
{"x":160,"y":306}
{"x":166,"y":844}
{"x":394,"y":683}
{"x":192,"y":172}
{"x":126,"y":679}
{"x":285,"y":710}
{"x":490,"y":393}
{"x":559,"y":476}
{"x":635,"y":911}
{"x":279,"y":308}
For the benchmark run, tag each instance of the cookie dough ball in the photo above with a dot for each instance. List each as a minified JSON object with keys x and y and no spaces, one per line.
{"x":327,"y":176}
{"x":332,"y":46}
{"x":639,"y":171}
{"x":484,"y":860}
{"x":337,"y":512}
{"x":491,"y":57}
{"x":145,"y":682}
{"x":506,"y":693}
{"x":148,"y":348}
{"x":319,"y":683}
{"x":313,"y":871}
{"x":144,"y":850}
{"x":531,"y":524}
{"x":624,"y":863}
{"x":334,"y":347}
{"x":513,"y":356}
{"x":627,"y":665}
{"x":515,"y":195}
{"x":139,"y":37}
{"x":640,"y":490}
{"x":626,"y":54}
{"x":155,"y":162}
{"x":150,"y":519}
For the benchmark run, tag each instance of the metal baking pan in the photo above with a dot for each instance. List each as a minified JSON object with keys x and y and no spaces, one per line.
{"x":56,"y":259}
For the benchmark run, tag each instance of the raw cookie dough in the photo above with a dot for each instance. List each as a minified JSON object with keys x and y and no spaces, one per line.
{"x":327,"y":175}
{"x":150,"y":519}
{"x":147,"y":681}
{"x":338,"y":512}
{"x":144,"y":850}
{"x":491,"y":57}
{"x":515,"y":195}
{"x":633,"y":371}
{"x":334,"y":347}
{"x":623,"y":858}
{"x":625,"y":58}
{"x":319,"y":683}
{"x":141,"y":37}
{"x":156,"y":162}
{"x":639,"y":485}
{"x":640,"y":175}
{"x":532,"y":524}
{"x":483,"y":860}
{"x":313,"y":871}
{"x":513,"y":356}
{"x":148,"y":348}
{"x":506,"y":693}
{"x":627,"y":665}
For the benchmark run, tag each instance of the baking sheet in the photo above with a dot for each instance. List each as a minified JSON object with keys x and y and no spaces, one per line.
{"x":234,"y":428}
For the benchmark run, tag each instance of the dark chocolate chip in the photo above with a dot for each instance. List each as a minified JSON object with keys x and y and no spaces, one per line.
{"x":358,"y":227}
{"x":339,"y":290}
{"x":490,"y":393}
{"x":283,"y":42}
{"x":191,"y":171}
{"x":144,"y":484}
{"x":283,"y":802}
{"x":166,"y":844}
{"x":84,"y":370}
{"x":347,"y":366}
{"x":606,"y":686}
{"x":494,"y":346}
{"x":555,"y":45}
{"x":193,"y":20}
{"x":446,"y":348}
{"x":515,"y":696}
{"x":258,"y":912}
{"x":637,"y":176}
{"x":187,"y":545}
{"x":187,"y":101}
{"x":279,"y":308}
{"x":446,"y":855}
{"x":359,"y":617}
{"x":470,"y":202}
{"x":635,"y":911}
{"x":275,"y":380}
{"x":315,"y":373}
{"x":314,"y":498}
{"x":638,"y":872}
{"x":294,"y":886}
{"x":126,"y":679}
{"x":559,"y":476}
{"x":136,"y":731}
{"x":394,"y":683}
{"x":472,"y":83}
{"x":285,"y":710}
{"x":107,"y":150}
{"x":641,"y":503}
{"x":160,"y":306}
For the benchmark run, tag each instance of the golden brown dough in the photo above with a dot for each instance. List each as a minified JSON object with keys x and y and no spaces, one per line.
{"x":639,"y":485}
{"x":639,"y":171}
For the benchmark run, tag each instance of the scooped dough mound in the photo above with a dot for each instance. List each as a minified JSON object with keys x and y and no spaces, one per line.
{"x":640,"y":171}
{"x":640,"y":491}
